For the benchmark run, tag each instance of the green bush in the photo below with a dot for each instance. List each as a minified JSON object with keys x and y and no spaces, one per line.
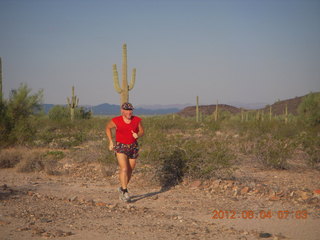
{"x":274,"y":153}
{"x":17,"y":122}
{"x":58,"y":113}
{"x":197,"y":155}
{"x":309,"y":109}
{"x":310,"y":142}
{"x":171,"y":168}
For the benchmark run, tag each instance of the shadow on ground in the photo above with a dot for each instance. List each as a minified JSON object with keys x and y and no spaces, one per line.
{"x":136,"y":198}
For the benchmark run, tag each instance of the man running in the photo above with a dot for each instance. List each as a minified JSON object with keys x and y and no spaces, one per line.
{"x":128,"y":129}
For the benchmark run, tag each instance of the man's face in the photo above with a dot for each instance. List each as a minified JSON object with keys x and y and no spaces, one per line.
{"x":126,"y":113}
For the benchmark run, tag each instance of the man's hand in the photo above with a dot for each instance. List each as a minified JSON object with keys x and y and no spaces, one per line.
{"x":135,"y":135}
{"x":111,"y":146}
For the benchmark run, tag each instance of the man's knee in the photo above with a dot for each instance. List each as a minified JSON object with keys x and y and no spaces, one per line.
{"x":125,"y":170}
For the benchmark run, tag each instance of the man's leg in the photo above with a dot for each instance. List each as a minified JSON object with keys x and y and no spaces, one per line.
{"x":124,"y":169}
{"x":132,"y":164}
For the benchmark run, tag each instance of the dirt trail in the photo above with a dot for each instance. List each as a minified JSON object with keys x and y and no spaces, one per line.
{"x":38,"y":206}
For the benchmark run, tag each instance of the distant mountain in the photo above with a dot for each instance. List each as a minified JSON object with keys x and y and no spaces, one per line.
{"x":248,"y":105}
{"x":112,"y":109}
{"x":109,"y":109}
{"x":207,"y":110}
{"x":187,"y":110}
{"x":278,"y":108}
{"x":105,"y":109}
{"x":159,"y":106}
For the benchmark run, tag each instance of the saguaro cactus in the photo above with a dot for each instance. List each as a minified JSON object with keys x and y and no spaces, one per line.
{"x":124,"y":91}
{"x":270,"y":112}
{"x":242,"y":115}
{"x":0,"y":80}
{"x":197,"y":109}
{"x":286,"y":114}
{"x":73,"y":103}
{"x":216,"y":112}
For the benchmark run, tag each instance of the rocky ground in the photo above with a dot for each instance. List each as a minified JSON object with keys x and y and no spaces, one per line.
{"x":83,"y":204}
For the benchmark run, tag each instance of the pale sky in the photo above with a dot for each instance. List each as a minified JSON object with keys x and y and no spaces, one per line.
{"x":232,"y":51}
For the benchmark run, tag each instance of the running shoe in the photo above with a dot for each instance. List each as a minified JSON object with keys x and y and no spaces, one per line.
{"x":123,"y":196}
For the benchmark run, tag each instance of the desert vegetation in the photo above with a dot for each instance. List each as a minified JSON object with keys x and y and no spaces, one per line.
{"x":175,"y":147}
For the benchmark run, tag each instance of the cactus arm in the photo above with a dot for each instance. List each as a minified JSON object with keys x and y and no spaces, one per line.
{"x":68,"y":100}
{"x":116,"y":79}
{"x":133,"y":79}
{"x":197,"y":109}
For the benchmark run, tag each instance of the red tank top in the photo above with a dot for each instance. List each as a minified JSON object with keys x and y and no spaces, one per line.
{"x":123,"y":130}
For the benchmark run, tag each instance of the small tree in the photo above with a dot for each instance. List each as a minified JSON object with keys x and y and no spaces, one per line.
{"x":20,"y":108}
{"x":58,"y":113}
{"x":309,"y":109}
{"x":21,"y":104}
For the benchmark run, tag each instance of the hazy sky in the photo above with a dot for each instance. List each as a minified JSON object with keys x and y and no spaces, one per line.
{"x":232,"y":51}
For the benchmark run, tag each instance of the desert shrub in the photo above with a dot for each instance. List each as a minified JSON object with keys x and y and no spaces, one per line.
{"x":17,"y":121}
{"x":55,"y":154}
{"x":23,"y":131}
{"x":40,"y":161}
{"x":83,"y":113}
{"x":208,"y":158}
{"x":31,"y":162}
{"x":273,"y":153}
{"x":256,"y":129}
{"x":196,"y":155}
{"x":22,"y":104}
{"x":9,"y":158}
{"x":309,"y":109}
{"x":212,"y":126}
{"x":58,"y":113}
{"x":310,"y":143}
{"x":66,"y":134}
{"x":171,"y":169}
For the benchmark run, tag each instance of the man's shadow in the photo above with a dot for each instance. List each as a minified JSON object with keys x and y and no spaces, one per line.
{"x":146,"y":195}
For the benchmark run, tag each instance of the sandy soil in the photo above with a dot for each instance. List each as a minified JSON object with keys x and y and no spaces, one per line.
{"x":84,"y":204}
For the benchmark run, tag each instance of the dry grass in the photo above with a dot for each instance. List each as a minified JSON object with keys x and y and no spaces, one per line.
{"x":39,"y":160}
{"x":9,"y":158}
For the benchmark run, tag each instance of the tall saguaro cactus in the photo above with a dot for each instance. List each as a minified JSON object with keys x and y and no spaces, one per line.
{"x":216,"y":112}
{"x":124,"y":90}
{"x":270,"y":112}
{"x":73,"y":103}
{"x":0,"y":80}
{"x":197,"y":109}
{"x":286,"y":114}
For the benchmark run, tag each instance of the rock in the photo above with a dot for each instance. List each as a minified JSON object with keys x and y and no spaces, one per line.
{"x":74,"y":198}
{"x":303,"y":195}
{"x":244,"y":190}
{"x":3,"y":223}
{"x":236,"y":191}
{"x":155,"y":197}
{"x":196,"y":184}
{"x":316,"y":192}
{"x":45,"y":220}
{"x":59,"y":233}
{"x":274,"y":198}
{"x":112,"y":206}
{"x":101,"y":204}
{"x":265,"y":235}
